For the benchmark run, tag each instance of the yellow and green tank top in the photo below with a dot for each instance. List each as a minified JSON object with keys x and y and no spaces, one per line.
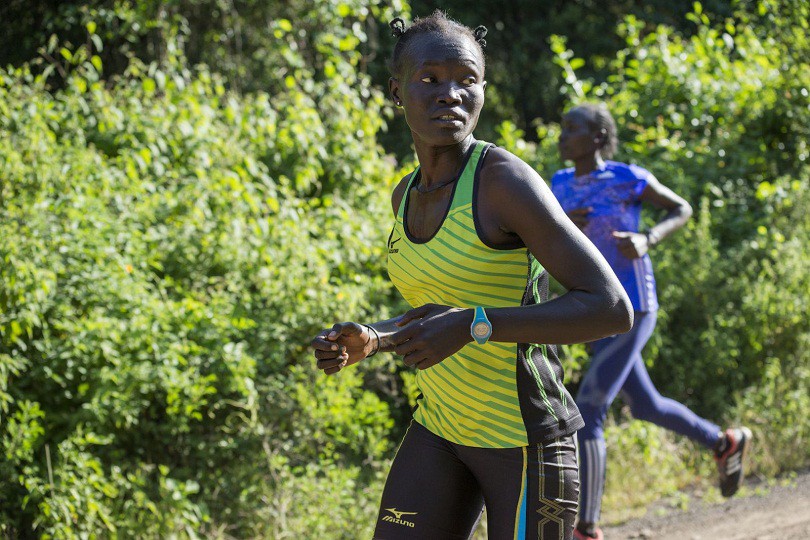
{"x":496,"y":395}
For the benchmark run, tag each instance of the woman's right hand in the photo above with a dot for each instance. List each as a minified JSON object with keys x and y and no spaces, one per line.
{"x":580,"y":216}
{"x":342,"y":345}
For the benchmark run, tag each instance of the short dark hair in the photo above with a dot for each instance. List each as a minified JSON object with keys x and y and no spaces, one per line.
{"x":602,"y":119}
{"x":437,"y":23}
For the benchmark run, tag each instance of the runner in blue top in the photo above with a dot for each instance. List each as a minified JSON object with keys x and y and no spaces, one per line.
{"x":604,"y":199}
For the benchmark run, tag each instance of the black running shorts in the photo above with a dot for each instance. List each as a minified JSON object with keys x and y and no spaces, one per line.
{"x":437,"y":490}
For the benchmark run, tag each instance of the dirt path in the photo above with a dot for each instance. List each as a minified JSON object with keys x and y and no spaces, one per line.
{"x":781,"y":512}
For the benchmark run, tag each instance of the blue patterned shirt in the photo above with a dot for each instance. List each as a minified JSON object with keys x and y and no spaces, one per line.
{"x":613,"y":192}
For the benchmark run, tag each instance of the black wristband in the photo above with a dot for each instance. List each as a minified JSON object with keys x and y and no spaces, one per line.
{"x":652,"y":238}
{"x":377,"y":348}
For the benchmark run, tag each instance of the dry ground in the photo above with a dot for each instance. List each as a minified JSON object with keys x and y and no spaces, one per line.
{"x":779,"y":512}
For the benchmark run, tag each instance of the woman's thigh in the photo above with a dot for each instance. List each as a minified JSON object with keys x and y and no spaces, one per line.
{"x":530,"y":492}
{"x":612,"y":359}
{"x":430,"y":493}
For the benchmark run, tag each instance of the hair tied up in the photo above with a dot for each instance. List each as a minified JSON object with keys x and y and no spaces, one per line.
{"x":480,"y":32}
{"x":397,"y":27}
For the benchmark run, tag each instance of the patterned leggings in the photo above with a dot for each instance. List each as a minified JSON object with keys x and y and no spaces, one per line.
{"x":437,"y":490}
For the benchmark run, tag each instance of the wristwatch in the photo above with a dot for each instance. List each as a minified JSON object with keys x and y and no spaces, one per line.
{"x":481,"y":328}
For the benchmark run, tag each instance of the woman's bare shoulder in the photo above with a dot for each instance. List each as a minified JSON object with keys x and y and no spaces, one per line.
{"x":399,"y":192}
{"x":504,"y":172}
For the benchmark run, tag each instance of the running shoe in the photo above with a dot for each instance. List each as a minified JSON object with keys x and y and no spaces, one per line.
{"x":579,"y":535}
{"x":729,"y":457}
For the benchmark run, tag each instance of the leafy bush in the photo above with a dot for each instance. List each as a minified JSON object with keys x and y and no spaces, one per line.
{"x":168,"y":250}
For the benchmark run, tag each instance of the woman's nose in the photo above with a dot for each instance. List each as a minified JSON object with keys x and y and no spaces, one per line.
{"x":450,"y":94}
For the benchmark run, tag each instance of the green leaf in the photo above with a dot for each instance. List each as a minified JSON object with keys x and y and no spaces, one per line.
{"x":348,"y":43}
{"x":344,"y":10}
{"x":96,"y":39}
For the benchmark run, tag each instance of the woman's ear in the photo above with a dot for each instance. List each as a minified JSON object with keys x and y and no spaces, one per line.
{"x":393,"y":90}
{"x":600,"y":139}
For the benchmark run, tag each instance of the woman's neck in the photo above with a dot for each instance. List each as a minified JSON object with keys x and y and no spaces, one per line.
{"x":440,"y":164}
{"x":587,"y":165}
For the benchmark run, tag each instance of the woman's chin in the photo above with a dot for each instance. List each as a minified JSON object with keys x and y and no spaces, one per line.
{"x":447,"y":137}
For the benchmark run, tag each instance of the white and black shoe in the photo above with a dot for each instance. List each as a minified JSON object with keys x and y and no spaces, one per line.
{"x":729,"y":455}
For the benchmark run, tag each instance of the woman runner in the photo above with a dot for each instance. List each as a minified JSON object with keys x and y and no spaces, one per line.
{"x":475,"y":231}
{"x":604,"y":199}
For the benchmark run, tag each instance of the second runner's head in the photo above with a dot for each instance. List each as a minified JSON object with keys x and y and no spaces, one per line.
{"x":588,"y":130}
{"x":437,"y":77}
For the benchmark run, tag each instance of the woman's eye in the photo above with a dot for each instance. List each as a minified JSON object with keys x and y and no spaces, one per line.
{"x":469,"y":80}
{"x":427,"y":79}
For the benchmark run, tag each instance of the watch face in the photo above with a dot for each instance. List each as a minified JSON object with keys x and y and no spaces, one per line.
{"x":481,"y":329}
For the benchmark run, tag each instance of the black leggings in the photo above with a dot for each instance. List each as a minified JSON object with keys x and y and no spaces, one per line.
{"x":437,"y":490}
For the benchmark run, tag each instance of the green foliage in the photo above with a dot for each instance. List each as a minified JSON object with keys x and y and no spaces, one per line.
{"x":773,"y":322}
{"x":321,"y":502}
{"x":169,"y":248}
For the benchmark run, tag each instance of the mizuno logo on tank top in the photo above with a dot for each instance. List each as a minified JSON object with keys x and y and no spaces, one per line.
{"x":496,"y":395}
{"x":391,"y":248}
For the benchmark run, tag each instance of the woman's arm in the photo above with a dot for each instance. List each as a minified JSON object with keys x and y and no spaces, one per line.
{"x":678,"y":210}
{"x":636,"y":244}
{"x":595,"y":305}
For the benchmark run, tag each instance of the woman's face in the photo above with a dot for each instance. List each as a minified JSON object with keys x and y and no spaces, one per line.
{"x":577,"y":138}
{"x":441,"y":88}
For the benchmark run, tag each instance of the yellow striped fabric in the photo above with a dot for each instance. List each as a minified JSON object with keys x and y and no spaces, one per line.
{"x":470,"y":398}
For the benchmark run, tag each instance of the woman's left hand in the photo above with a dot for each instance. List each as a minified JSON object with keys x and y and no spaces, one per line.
{"x":431,"y":333}
{"x":631,"y":244}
